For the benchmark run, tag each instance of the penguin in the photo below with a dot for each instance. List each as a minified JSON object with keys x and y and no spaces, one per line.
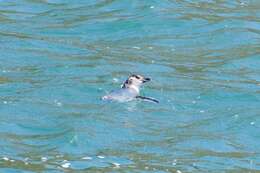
{"x":130,"y":90}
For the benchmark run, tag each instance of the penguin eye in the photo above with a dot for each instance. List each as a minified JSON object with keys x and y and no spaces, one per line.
{"x":137,"y":77}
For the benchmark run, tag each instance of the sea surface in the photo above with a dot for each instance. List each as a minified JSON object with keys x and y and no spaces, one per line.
{"x":59,"y":57}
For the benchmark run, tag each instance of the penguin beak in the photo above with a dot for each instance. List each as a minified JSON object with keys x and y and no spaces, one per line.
{"x":146,"y":80}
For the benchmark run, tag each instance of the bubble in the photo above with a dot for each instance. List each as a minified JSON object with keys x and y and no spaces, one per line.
{"x":151,"y":7}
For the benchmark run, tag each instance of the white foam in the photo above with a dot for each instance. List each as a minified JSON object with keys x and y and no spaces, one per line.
{"x":58,"y":103}
{"x":136,"y":47}
{"x":115,"y":80}
{"x":44,"y":159}
{"x":66,"y":165}
{"x":5,"y":158}
{"x":174,"y":163}
{"x":101,"y":157}
{"x":74,"y":139}
{"x":86,"y":158}
{"x":26,"y":159}
{"x":117,"y":165}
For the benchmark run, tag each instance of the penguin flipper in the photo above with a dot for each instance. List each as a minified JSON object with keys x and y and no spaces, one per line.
{"x":148,"y":99}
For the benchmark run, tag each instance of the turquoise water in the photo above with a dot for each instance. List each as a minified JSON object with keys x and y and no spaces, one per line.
{"x":58,"y":58}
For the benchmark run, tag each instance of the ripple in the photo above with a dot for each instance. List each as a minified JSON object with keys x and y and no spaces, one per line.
{"x":59,"y":57}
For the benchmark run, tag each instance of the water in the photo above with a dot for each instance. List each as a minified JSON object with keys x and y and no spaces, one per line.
{"x":58,"y":58}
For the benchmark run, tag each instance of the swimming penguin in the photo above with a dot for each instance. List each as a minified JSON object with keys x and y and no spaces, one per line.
{"x":130,"y":90}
